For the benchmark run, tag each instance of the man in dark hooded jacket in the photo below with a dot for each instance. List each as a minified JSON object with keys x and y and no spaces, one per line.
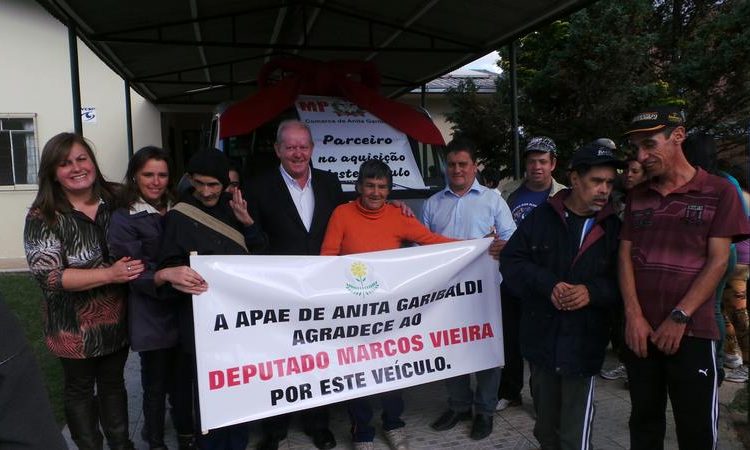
{"x":208,"y":221}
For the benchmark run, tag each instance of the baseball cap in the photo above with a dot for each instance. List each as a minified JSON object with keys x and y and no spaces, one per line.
{"x":541,"y":144}
{"x":657,"y":117}
{"x":596,"y":153}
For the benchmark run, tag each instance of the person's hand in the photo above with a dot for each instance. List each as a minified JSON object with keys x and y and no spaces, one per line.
{"x":405,"y":210}
{"x":574,"y":297}
{"x":496,"y":247}
{"x":239,"y":208}
{"x":637,"y":331}
{"x":126,"y":269}
{"x":184,"y":279}
{"x":668,"y":336}
{"x":557,"y":292}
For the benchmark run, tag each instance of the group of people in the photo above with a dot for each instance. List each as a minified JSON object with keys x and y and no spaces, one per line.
{"x":113,"y":264}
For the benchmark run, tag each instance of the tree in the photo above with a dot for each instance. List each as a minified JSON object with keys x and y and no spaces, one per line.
{"x":582,"y":78}
{"x":486,"y":122}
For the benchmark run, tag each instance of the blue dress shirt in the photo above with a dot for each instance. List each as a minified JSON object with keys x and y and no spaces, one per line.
{"x":469,"y":216}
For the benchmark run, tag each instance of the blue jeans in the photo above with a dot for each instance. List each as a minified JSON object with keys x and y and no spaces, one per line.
{"x":484,"y":398}
{"x":360,"y":411}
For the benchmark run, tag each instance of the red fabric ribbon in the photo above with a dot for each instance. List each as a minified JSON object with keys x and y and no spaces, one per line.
{"x":356,"y":81}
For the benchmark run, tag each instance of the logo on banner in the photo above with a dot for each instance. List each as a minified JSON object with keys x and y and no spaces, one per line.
{"x":358,"y":283}
{"x":347,"y":109}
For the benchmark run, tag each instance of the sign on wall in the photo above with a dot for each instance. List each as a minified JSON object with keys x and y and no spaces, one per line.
{"x":88,"y":114}
{"x":346,"y":136}
{"x":276,"y":334}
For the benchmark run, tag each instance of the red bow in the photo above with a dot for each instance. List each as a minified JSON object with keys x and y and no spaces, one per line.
{"x":356,"y":81}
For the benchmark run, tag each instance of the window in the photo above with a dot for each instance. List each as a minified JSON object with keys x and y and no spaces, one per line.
{"x":18,"y":149}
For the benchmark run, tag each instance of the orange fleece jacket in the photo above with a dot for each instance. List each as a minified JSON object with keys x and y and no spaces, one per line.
{"x":354,"y":229}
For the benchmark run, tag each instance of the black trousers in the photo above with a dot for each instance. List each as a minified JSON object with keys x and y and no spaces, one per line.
{"x":84,"y":412}
{"x":233,"y":437}
{"x":564,"y":407}
{"x":511,"y":379}
{"x":689,"y":379}
{"x":312,"y":420}
{"x":158,"y":380}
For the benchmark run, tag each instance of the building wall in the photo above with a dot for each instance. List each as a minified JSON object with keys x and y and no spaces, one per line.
{"x":35,"y":78}
{"x":437,"y":106}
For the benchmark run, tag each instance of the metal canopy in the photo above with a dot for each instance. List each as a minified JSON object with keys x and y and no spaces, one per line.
{"x":210,"y":51}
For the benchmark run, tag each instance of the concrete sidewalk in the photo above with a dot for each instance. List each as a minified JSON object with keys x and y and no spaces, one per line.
{"x":513,"y":427}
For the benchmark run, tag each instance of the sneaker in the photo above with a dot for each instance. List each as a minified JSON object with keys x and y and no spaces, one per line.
{"x":397,"y":439}
{"x":364,"y":446}
{"x":737,"y":375}
{"x":732,"y":360}
{"x":505,"y":403}
{"x":615,"y":373}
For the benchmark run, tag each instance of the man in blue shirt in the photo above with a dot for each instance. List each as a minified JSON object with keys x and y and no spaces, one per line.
{"x":467,"y":210}
{"x":540,"y":159}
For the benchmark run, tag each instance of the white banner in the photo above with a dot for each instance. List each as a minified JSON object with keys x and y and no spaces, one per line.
{"x":346,"y":136}
{"x":276,"y":334}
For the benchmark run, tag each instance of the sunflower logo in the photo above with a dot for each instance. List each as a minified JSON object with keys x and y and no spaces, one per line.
{"x":359,"y":270}
{"x":358,"y":284}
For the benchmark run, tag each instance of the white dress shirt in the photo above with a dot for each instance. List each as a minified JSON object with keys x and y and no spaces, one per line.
{"x":303,"y":197}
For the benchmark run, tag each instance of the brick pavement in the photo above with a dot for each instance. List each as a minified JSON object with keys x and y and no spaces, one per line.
{"x":512,"y":430}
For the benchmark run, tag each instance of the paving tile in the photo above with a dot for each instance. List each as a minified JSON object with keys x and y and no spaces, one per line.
{"x":513,"y":428}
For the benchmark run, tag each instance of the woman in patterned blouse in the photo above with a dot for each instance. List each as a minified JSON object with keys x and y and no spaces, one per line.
{"x":84,"y":292}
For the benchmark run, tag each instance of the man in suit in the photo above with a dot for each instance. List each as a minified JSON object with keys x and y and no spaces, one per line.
{"x":292,"y":205}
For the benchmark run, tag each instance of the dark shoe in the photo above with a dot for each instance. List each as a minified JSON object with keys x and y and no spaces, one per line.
{"x":482,"y":427}
{"x":268,"y":443}
{"x":186,"y":442}
{"x":83,"y":421}
{"x":322,"y":439}
{"x":449,"y":419}
{"x":113,"y":415}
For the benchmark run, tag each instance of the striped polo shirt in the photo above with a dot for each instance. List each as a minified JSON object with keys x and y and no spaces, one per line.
{"x":669,"y":236}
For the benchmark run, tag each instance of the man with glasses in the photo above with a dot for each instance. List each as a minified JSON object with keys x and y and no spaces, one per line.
{"x":673,"y":253}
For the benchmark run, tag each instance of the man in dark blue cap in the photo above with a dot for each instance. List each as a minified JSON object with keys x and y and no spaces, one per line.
{"x":560,"y":262}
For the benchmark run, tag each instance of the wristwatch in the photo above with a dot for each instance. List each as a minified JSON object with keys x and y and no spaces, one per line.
{"x":679,"y":316}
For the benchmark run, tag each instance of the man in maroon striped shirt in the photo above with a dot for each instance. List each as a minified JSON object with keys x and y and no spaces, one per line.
{"x":673,"y":252}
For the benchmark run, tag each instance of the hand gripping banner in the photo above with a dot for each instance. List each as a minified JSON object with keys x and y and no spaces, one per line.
{"x":276,"y":334}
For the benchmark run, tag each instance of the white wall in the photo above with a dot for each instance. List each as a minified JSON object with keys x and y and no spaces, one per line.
{"x":437,"y":106}
{"x":105,"y":91}
{"x":35,"y":78}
